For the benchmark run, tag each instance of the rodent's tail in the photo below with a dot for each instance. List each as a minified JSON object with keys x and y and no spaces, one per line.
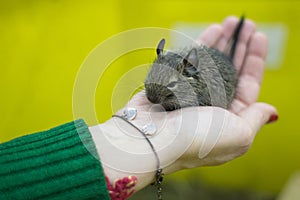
{"x":234,"y":38}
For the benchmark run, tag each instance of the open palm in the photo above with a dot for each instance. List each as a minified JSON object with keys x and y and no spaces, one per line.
{"x":245,"y":116}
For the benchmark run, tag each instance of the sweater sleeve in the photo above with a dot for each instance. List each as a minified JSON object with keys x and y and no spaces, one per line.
{"x":61,"y":163}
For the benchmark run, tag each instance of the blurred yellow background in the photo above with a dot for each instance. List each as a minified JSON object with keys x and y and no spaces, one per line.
{"x":43,"y":44}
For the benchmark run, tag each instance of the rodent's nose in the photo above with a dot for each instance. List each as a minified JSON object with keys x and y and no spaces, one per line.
{"x":153,"y":98}
{"x":153,"y":93}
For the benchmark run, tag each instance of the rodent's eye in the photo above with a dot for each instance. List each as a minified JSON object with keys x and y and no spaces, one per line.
{"x":171,"y":85}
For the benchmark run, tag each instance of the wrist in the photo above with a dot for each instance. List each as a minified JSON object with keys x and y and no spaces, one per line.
{"x":119,"y":156}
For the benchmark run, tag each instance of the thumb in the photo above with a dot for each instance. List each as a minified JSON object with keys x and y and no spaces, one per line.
{"x":258,"y":114}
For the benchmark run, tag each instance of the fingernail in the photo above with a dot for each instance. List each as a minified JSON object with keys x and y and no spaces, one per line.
{"x":272,"y":119}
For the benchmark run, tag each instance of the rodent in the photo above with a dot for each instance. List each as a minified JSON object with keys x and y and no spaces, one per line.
{"x":194,"y":76}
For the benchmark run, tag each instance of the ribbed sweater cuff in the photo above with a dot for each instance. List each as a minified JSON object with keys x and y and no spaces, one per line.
{"x":60,"y":163}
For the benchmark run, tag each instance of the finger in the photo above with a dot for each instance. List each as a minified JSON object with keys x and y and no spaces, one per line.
{"x":211,"y":35}
{"x":256,"y":56}
{"x":244,"y":38}
{"x":258,"y":114}
{"x":228,"y":26}
{"x":251,"y":75}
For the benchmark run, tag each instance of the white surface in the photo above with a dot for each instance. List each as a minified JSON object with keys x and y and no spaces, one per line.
{"x":292,"y":189}
{"x":277,"y":34}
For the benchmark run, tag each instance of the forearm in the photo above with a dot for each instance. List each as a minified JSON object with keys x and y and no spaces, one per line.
{"x":116,"y":149}
{"x":59,"y":163}
{"x":125,"y":152}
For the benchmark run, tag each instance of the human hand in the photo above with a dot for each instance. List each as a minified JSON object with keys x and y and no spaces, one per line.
{"x":245,"y":116}
{"x":201,"y":136}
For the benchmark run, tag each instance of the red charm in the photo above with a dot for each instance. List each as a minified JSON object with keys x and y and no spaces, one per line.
{"x":120,"y":189}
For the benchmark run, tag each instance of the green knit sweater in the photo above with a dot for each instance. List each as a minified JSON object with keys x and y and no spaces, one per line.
{"x":60,"y":163}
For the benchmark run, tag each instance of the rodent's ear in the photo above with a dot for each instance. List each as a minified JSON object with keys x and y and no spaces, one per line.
{"x":190,"y":62}
{"x":160,"y":47}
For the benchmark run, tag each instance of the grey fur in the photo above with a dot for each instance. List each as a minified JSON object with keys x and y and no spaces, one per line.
{"x":194,"y":76}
